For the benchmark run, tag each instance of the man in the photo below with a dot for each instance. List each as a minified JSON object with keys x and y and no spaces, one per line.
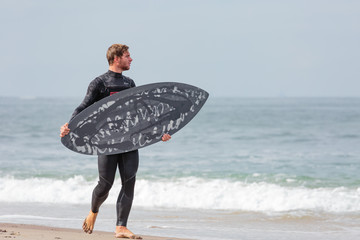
{"x":111,"y":82}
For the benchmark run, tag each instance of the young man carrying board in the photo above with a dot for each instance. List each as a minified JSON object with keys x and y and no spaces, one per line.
{"x":106,"y":84}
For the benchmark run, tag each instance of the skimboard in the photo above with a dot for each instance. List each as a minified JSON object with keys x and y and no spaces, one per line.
{"x":134,"y":118}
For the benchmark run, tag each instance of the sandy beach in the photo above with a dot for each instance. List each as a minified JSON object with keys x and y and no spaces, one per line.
{"x":33,"y":232}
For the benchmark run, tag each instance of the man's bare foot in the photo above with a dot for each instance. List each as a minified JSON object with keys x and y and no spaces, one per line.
{"x":123,"y":232}
{"x":89,"y":222}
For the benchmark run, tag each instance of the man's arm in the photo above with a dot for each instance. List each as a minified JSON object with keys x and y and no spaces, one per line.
{"x":92,"y":95}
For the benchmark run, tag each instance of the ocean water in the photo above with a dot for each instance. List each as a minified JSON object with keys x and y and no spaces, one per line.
{"x":243,"y":168}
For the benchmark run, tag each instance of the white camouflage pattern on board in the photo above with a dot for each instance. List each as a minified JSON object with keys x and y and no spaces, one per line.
{"x":134,"y":118}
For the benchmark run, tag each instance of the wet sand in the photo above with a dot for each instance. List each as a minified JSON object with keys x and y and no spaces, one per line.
{"x":33,"y":232}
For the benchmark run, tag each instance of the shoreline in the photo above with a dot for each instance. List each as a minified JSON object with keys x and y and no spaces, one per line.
{"x":37,"y":232}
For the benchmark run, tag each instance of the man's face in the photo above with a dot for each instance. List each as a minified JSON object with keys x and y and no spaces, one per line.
{"x":124,"y":61}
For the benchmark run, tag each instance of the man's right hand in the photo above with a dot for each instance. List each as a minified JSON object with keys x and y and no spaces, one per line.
{"x":64,"y":130}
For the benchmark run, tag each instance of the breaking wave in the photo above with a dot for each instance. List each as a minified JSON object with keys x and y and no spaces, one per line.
{"x":190,"y":192}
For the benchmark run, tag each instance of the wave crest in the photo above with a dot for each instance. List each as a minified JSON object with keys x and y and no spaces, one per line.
{"x":190,"y":192}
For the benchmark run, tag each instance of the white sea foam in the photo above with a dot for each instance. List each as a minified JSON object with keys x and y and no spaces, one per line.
{"x":193,"y":193}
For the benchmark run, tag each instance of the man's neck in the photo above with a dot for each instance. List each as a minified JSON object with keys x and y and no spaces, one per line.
{"x":115,"y":69}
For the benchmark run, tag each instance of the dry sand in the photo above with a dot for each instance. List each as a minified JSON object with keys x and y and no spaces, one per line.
{"x":32,"y":232}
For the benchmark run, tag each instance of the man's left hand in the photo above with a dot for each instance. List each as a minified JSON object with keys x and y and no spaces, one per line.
{"x":166,"y":137}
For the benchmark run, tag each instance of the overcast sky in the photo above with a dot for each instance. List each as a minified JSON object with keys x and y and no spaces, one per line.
{"x":304,"y":48}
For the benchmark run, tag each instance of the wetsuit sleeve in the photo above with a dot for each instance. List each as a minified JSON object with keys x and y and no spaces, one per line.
{"x":132,"y":83}
{"x":92,"y":95}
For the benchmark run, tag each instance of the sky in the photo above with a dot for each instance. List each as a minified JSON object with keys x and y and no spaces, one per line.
{"x":231,"y":48}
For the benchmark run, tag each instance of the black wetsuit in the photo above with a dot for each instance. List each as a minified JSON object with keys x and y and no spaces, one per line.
{"x":103,"y":86}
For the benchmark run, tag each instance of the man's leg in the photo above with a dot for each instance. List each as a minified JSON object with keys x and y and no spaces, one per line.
{"x":128,"y":166}
{"x":107,"y":168}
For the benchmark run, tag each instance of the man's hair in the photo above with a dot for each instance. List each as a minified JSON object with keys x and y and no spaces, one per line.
{"x":115,"y":50}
